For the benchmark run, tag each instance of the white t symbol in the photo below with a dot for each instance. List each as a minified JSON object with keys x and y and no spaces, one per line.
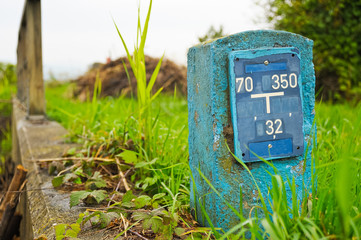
{"x":267,"y":96}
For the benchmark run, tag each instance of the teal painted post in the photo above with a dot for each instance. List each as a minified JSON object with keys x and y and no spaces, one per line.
{"x":225,"y":95}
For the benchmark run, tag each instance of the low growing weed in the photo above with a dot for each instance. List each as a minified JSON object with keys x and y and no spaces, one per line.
{"x":159,"y":179}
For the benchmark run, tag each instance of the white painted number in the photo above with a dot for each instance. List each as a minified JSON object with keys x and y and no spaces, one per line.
{"x":248,"y":84}
{"x":270,"y":129}
{"x":278,"y":129}
{"x":240,"y":84}
{"x":293,"y":80}
{"x":286,"y":80}
{"x":276,"y":80}
{"x":284,"y":83}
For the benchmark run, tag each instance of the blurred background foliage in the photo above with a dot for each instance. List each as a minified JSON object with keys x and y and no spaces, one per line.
{"x":335,"y":28}
{"x":7,"y":88}
{"x":212,"y":33}
{"x":7,"y":75}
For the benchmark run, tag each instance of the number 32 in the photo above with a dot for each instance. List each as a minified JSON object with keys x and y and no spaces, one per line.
{"x":271,"y":129}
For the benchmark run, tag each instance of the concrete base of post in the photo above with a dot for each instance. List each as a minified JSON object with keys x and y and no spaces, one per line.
{"x":36,"y":119}
{"x":210,"y":130}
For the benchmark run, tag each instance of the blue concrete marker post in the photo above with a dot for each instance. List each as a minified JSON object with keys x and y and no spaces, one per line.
{"x":253,"y":91}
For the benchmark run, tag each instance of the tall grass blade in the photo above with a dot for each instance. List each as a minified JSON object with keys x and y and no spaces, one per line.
{"x":128,"y":77}
{"x":205,"y":214}
{"x":154,"y":75}
{"x":145,"y":30}
{"x":125,"y":46}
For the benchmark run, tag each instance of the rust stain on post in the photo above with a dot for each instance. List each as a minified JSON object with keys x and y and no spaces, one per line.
{"x":196,"y":116}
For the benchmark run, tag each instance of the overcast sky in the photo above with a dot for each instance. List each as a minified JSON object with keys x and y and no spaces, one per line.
{"x":77,"y":33}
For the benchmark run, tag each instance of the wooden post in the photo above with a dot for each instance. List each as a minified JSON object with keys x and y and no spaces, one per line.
{"x":10,"y":201}
{"x":30,"y":63}
{"x":22,"y":68}
{"x":16,"y":182}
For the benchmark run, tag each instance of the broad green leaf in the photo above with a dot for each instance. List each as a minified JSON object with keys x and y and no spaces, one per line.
{"x":60,"y":229}
{"x":70,"y":177}
{"x":138,"y":216}
{"x":157,"y":224}
{"x":128,"y":204}
{"x":71,"y":233}
{"x":179,"y":231}
{"x":99,"y":195}
{"x":147,"y":223}
{"x":79,"y":172}
{"x":144,"y":163}
{"x":128,"y":156}
{"x":95,"y":182}
{"x":77,"y":196}
{"x":75,"y":227}
{"x":77,"y":180}
{"x":128,"y":197}
{"x":104,"y":219}
{"x":80,"y":218}
{"x":60,"y":237}
{"x":113,"y":214}
{"x":57,"y":181}
{"x":97,"y":176}
{"x":158,"y":196}
{"x":93,"y":185}
{"x":71,"y":152}
{"x":142,"y":201}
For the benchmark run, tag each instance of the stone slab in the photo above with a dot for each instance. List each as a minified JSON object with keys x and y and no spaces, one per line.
{"x":42,"y":206}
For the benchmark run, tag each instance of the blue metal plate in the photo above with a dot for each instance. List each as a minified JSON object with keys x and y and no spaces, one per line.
{"x":266,"y":103}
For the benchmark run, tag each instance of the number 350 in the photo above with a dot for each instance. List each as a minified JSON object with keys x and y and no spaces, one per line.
{"x":284,"y":80}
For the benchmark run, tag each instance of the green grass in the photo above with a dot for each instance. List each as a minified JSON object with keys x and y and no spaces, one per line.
{"x":7,"y":89}
{"x":104,"y":120}
{"x":337,"y":204}
{"x":144,"y":90}
{"x":333,"y":210}
{"x":112,"y":124}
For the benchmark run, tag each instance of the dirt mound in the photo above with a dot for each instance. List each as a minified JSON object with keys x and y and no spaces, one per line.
{"x":115,"y":81}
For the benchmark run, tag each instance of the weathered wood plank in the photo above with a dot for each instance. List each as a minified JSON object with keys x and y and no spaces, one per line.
{"x":22,"y":82}
{"x":30,"y":63}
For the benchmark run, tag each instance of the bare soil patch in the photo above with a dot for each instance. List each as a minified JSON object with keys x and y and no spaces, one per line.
{"x":115,"y":81}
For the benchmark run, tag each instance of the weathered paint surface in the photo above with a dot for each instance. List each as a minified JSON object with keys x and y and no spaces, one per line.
{"x":210,"y":125}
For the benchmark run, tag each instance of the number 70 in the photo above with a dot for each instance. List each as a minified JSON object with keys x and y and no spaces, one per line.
{"x":248,"y":84}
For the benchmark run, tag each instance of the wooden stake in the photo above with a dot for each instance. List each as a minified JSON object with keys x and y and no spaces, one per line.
{"x":14,"y":188}
{"x":11,"y":200}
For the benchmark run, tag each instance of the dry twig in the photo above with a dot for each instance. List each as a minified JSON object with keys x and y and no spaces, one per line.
{"x":122,"y":177}
{"x":11,"y":200}
{"x":137,"y":234}
{"x":110,"y":160}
